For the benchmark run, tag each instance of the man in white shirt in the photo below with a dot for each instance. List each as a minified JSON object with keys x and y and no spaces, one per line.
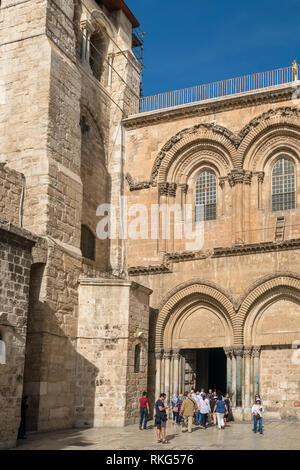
{"x":257,"y":413}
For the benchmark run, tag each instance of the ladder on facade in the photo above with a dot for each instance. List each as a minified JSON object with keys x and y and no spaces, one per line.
{"x":279,"y":229}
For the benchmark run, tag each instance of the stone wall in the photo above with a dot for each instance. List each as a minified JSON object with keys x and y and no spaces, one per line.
{"x":15,"y":262}
{"x":113,"y":319}
{"x":280,"y":382}
{"x":12,"y":185}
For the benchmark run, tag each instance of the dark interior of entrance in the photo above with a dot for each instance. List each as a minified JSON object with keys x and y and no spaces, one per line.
{"x":208,"y":367}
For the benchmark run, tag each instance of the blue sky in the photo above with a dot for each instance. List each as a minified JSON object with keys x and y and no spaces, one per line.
{"x":192,"y":42}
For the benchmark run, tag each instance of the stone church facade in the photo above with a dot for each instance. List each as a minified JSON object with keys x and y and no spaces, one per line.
{"x":100,"y":320}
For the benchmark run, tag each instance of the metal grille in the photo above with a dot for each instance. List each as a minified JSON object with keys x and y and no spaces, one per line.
{"x":283,"y":185}
{"x":206,"y":197}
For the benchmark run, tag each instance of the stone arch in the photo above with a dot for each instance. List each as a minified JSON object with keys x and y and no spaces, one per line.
{"x":281,"y":124}
{"x":199,"y":154}
{"x":213,"y":135}
{"x":261,"y":293}
{"x":188,"y":293}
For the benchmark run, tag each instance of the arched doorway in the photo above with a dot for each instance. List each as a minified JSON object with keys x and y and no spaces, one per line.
{"x":193,"y":328}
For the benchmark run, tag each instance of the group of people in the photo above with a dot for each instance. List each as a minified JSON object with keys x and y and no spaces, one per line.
{"x":208,"y":408}
{"x":199,"y":408}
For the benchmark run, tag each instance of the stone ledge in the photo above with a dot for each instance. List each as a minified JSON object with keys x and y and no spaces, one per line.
{"x":17,"y":233}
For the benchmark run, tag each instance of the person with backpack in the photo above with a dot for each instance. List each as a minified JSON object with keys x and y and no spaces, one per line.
{"x":188,"y":408}
{"x":220,"y":410}
{"x":160,"y":420}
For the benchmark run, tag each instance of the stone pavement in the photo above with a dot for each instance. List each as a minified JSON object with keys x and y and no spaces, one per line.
{"x":279,"y":435}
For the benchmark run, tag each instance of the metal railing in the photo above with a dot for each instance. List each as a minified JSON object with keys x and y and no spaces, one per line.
{"x":232,"y":86}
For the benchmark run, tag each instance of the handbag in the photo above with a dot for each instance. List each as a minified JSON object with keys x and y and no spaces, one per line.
{"x":175,"y":409}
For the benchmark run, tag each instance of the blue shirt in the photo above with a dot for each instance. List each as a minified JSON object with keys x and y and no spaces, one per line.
{"x":157,"y":404}
{"x":220,"y":407}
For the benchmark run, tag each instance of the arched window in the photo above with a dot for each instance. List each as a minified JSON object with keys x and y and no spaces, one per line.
{"x":98,"y":53}
{"x":137,"y":358}
{"x":2,"y":351}
{"x":283,"y":185}
{"x":87,"y":243}
{"x":206,"y":196}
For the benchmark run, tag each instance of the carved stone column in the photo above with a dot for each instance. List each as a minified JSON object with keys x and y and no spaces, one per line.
{"x":256,"y":358}
{"x":222,"y":181}
{"x":182,"y":374}
{"x":247,"y":206}
{"x":176,"y":358}
{"x":236,"y":180}
{"x":158,"y":357}
{"x":163,"y":191}
{"x":233,"y":365}
{"x":238,"y":352}
{"x":228,"y":352}
{"x":260,"y":180}
{"x":167,"y":358}
{"x":247,"y":356}
{"x":87,"y":30}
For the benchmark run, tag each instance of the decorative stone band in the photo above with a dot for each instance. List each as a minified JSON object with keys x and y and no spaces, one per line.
{"x":234,"y":250}
{"x":136,"y":186}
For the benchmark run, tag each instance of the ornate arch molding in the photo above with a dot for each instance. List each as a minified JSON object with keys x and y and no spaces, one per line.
{"x":188,"y":291}
{"x":101,"y":22}
{"x":217,"y":136}
{"x":280,"y":121}
{"x":199,"y":154}
{"x":259,"y":293}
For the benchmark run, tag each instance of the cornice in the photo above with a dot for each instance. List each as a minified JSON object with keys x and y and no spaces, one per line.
{"x":219,"y":252}
{"x":254,"y":98}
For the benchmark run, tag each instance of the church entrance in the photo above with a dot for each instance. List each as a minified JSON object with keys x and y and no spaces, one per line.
{"x":204,"y":368}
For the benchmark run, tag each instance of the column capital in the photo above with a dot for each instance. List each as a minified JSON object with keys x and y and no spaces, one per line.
{"x":158,"y":353}
{"x":184,"y":188}
{"x":236,"y":177}
{"x":163,"y":188}
{"x":260,"y":176}
{"x":172,"y":189}
{"x":238,"y":351}
{"x":176,"y":354}
{"x":167,"y":354}
{"x":247,"y":351}
{"x":248,"y":177}
{"x":85,"y":25}
{"x":228,"y":350}
{"x":222,"y":180}
{"x":256,"y":351}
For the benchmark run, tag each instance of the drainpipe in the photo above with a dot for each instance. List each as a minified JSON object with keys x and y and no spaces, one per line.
{"x":21,"y":202}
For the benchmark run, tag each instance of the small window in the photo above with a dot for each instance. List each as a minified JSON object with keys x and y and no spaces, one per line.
{"x":283,"y":185}
{"x":206,"y":196}
{"x":87,"y":244}
{"x":137,"y":358}
{"x":2,"y":351}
